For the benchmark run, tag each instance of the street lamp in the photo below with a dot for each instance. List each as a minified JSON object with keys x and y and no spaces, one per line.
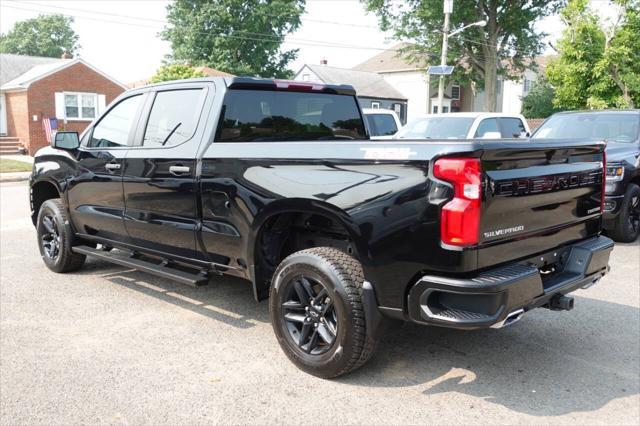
{"x":448,"y":9}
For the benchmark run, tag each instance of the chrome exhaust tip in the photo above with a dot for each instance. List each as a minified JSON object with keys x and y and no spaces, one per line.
{"x":512,"y":318}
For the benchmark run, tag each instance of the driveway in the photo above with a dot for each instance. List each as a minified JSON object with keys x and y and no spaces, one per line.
{"x":111,"y":345}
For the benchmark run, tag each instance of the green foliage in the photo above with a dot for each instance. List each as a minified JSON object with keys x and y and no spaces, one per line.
{"x":175,"y":72}
{"x":508,"y":38}
{"x":46,"y":35}
{"x":539,"y":101}
{"x":598,"y":67}
{"x":241,"y":37}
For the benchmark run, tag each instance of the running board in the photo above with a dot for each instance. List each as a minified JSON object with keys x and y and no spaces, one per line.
{"x":160,"y":270}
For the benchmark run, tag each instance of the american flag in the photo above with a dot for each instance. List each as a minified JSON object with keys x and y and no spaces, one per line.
{"x":50,"y":125}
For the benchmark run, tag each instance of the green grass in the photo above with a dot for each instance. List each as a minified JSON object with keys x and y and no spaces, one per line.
{"x":7,"y":166}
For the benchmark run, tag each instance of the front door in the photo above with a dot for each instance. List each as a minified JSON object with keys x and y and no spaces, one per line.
{"x":159,"y":177}
{"x":95,"y":193}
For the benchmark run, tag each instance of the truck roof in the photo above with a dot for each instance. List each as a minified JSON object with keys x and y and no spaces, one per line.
{"x":257,"y":83}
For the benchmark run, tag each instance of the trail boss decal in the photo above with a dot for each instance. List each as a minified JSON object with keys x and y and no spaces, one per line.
{"x":505,"y":231}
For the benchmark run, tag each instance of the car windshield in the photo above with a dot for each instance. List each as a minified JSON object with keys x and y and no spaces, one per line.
{"x":436,"y":128}
{"x":611,"y":127}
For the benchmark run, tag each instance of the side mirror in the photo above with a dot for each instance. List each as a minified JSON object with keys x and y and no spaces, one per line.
{"x":66,"y":140}
{"x":492,"y":135}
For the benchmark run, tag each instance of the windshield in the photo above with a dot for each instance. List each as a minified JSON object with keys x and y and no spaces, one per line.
{"x":611,"y":127}
{"x":436,"y":128}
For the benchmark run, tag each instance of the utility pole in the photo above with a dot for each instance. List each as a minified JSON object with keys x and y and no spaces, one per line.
{"x":448,"y":9}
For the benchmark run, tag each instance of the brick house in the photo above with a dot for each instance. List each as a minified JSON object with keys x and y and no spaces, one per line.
{"x":34,"y":88}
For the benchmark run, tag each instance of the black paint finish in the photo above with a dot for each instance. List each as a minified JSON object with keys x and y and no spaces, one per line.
{"x":382,"y":195}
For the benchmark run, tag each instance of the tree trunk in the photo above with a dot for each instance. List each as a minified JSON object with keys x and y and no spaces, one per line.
{"x":490,"y":83}
{"x":490,"y":52}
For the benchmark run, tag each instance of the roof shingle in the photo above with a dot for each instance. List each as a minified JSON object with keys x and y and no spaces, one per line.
{"x":367,"y":84}
{"x":13,"y":66}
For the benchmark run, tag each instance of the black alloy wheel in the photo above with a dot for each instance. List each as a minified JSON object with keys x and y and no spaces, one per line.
{"x":56,"y":237}
{"x":50,"y":237}
{"x":310,"y":315}
{"x":634,"y":215}
{"x":317,"y":311}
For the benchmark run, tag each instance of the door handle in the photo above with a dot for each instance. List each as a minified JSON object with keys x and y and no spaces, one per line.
{"x":112,"y":166}
{"x":179,"y":170}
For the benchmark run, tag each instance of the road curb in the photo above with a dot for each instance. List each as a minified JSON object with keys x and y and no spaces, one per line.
{"x":14,"y":177}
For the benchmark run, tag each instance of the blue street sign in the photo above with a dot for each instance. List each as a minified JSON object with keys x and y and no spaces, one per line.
{"x":440,"y":70}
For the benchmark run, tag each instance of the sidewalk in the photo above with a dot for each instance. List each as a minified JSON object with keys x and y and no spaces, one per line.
{"x":16,"y":176}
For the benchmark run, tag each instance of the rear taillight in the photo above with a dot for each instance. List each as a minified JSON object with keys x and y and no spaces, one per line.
{"x":460,"y":219}
{"x":604,"y":180}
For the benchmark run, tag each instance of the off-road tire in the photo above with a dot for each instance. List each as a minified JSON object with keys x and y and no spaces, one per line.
{"x":342,"y":276}
{"x":624,"y":231}
{"x":65,"y":260}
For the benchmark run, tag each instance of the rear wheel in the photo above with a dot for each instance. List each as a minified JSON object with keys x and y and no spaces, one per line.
{"x":317,"y":312}
{"x":628,"y":222}
{"x":55,"y":238}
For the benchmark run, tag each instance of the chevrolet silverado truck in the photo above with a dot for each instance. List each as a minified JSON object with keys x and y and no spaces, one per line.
{"x":621,"y":130}
{"x":277,"y":182}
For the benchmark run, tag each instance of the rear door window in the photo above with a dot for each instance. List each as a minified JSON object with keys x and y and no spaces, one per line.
{"x":488,"y":125}
{"x":264,"y":116}
{"x":174,"y":117}
{"x":381,"y":124}
{"x":512,"y":127}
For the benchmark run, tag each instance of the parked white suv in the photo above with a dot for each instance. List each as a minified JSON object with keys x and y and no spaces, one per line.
{"x":382,"y":123}
{"x":466,"y":125}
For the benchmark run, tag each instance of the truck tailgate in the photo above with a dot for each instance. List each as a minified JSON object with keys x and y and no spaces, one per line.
{"x":538,"y":196}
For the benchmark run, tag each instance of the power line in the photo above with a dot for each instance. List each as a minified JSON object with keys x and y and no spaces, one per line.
{"x":249,"y":36}
{"x":266,"y":37}
{"x":162,"y":21}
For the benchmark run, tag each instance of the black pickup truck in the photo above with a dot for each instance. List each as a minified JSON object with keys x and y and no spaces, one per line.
{"x":277,"y":182}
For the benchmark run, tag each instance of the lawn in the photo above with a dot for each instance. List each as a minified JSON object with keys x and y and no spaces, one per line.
{"x":7,"y":166}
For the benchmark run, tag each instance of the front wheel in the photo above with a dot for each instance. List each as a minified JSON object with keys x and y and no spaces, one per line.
{"x":55,"y":238}
{"x":628,"y":222}
{"x":317,"y":312}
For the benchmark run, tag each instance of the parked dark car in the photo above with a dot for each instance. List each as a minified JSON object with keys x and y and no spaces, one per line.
{"x":621,"y":130}
{"x":278,"y":183}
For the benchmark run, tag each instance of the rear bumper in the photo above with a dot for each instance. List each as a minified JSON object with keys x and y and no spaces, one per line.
{"x":495,"y":296}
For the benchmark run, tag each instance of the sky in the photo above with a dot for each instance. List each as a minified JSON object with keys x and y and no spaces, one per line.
{"x":120,"y":37}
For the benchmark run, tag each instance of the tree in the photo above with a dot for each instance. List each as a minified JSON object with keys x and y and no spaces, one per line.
{"x":503,"y":47}
{"x":175,"y":72}
{"x":46,"y":35}
{"x":597,"y":66}
{"x":538,"y":103}
{"x":241,"y":37}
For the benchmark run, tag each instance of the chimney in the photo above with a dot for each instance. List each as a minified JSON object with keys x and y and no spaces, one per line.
{"x":66,"y":55}
{"x":323,"y":61}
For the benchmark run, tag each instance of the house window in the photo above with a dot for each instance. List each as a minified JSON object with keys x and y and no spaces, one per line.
{"x":528,"y":85}
{"x":455,"y":92}
{"x":81,"y":106}
{"x":306,"y":77}
{"x":375,"y":105}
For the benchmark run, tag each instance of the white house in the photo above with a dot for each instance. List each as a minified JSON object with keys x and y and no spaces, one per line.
{"x":412,"y":80}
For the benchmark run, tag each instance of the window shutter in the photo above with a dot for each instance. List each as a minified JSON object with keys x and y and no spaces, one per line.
{"x":60,"y":110}
{"x":102,"y":104}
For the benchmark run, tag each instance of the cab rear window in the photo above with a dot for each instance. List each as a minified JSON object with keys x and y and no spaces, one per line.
{"x":266,"y":116}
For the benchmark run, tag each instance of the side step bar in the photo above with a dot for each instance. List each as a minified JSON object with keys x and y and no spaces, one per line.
{"x":160,"y":270}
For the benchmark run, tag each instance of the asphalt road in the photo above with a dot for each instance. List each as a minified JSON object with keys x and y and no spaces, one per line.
{"x":110,"y":345}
